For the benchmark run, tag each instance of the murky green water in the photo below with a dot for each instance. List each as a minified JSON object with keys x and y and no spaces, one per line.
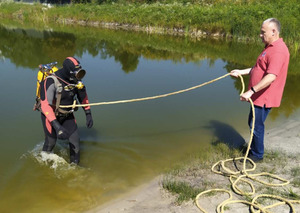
{"x":129,"y":143}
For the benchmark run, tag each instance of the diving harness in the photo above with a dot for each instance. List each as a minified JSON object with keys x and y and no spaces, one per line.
{"x":48,"y":71}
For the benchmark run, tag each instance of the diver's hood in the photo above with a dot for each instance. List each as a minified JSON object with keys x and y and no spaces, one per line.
{"x":72,"y":70}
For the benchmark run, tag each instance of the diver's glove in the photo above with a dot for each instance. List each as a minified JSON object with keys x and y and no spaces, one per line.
{"x":89,"y":119}
{"x":61,"y":132}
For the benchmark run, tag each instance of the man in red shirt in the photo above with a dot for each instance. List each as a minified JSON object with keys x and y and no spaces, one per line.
{"x":267,"y":81}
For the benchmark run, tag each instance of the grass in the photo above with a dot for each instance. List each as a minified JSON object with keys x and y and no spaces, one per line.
{"x":188,"y":178}
{"x":183,"y":190}
{"x":293,"y":195}
{"x":296,"y":174}
{"x":194,"y":176}
{"x":238,"y":19}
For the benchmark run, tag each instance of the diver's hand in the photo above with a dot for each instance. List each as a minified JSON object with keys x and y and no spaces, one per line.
{"x":61,"y":132}
{"x":89,"y":119}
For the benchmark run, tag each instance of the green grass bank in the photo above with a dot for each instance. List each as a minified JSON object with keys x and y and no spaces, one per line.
{"x":187,"y":179}
{"x":227,"y":19}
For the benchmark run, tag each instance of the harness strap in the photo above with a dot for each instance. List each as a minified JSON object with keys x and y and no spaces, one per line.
{"x":59,"y":89}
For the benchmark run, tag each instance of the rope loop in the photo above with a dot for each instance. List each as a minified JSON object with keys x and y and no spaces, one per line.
{"x":244,"y":176}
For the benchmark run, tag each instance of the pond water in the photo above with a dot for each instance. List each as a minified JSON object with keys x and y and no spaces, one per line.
{"x":130,"y":143}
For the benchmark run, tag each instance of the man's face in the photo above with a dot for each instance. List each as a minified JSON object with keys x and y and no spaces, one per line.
{"x":267,"y":32}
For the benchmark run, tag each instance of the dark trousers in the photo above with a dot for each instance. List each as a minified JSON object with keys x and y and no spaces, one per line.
{"x":257,"y":145}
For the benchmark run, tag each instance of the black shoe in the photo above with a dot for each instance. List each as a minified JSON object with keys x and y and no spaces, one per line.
{"x":253,"y":158}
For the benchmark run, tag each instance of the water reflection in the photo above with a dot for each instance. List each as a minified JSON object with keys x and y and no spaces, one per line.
{"x":124,"y":47}
{"x":129,"y":142}
{"x":128,"y":59}
{"x":29,"y":47}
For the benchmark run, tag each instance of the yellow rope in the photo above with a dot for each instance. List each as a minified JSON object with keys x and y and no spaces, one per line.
{"x":146,"y":98}
{"x":233,"y":175}
{"x":244,"y":174}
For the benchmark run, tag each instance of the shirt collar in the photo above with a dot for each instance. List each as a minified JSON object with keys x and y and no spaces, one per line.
{"x":274,"y":43}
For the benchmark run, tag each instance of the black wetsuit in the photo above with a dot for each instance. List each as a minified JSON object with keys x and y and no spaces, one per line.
{"x":66,"y":120}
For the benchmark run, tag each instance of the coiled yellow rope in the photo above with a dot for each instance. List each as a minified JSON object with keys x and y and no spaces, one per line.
{"x":244,"y":174}
{"x":233,"y":175}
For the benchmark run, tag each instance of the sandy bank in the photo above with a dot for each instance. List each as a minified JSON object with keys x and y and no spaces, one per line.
{"x":150,"y":197}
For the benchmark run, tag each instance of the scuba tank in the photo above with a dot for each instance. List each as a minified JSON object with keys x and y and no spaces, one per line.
{"x":44,"y":71}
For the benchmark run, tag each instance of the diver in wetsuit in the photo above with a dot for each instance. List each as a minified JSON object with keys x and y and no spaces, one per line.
{"x":60,"y":123}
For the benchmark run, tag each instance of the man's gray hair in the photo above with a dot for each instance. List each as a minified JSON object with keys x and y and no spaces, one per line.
{"x":275,"y":22}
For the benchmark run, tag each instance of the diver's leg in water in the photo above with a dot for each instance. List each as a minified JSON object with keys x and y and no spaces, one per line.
{"x":49,"y":144}
{"x":74,"y":147}
{"x":70,"y":124}
{"x":50,"y":134}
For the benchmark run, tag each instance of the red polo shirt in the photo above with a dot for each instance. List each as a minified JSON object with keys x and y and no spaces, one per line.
{"x":274,"y":59}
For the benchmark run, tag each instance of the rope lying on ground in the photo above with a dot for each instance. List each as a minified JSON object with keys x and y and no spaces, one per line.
{"x":244,"y":174}
{"x":146,"y":98}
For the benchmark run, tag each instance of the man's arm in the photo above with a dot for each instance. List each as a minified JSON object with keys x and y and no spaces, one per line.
{"x":264,"y":82}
